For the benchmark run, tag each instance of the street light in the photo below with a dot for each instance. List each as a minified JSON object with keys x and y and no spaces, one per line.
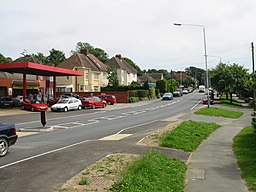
{"x":205,"y":56}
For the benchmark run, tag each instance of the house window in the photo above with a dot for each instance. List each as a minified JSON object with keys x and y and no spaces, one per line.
{"x":86,"y":76}
{"x":96,"y":76}
{"x":87,"y":88}
{"x":81,"y":87}
{"x":95,"y":88}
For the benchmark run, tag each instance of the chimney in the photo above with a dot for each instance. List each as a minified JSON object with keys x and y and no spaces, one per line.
{"x":118,"y":56}
{"x":84,"y":51}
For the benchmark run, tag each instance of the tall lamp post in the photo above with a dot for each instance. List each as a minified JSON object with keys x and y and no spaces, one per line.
{"x":205,"y":56}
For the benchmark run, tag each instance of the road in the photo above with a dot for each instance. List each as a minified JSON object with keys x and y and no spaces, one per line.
{"x":42,"y":162}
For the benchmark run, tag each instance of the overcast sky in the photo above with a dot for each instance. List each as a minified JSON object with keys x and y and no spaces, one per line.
{"x":141,"y":30}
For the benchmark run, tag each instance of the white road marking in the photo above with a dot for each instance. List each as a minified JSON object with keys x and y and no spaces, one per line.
{"x":115,"y":137}
{"x":195,"y":105}
{"x":66,"y":147}
{"x":42,"y":154}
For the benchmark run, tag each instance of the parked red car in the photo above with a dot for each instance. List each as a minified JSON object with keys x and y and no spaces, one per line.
{"x":93,"y":102}
{"x":34,"y":105}
{"x":110,"y":99}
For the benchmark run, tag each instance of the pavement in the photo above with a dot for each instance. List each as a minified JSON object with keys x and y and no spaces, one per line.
{"x":213,"y":167}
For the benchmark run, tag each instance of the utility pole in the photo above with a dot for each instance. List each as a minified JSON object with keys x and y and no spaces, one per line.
{"x":254,"y":107}
{"x":171,"y":83}
{"x":252,"y":57}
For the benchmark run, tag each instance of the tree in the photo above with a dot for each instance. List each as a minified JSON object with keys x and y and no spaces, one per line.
{"x":229,"y":79}
{"x":4,"y":59}
{"x":129,"y":61}
{"x":97,"y":52}
{"x":112,"y":76}
{"x":56,"y":57}
{"x":41,"y":58}
{"x":197,"y":73}
{"x":163,"y":85}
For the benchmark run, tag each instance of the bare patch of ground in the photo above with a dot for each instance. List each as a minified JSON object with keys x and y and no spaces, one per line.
{"x":104,"y":173}
{"x":99,"y":176}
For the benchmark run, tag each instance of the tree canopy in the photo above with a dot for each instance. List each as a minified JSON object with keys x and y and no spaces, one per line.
{"x":97,"y":52}
{"x":54,"y":58}
{"x":130,"y":62}
{"x":4,"y":59}
{"x":229,"y":79}
{"x":112,"y":76}
{"x":197,"y":73}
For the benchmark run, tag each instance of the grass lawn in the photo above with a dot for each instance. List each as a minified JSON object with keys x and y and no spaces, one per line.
{"x":188,"y":135}
{"x":219,"y":112}
{"x":153,"y":172}
{"x":244,"y":145}
{"x":227,"y":103}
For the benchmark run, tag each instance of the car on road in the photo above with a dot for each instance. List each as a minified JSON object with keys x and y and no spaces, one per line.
{"x":6,"y":102}
{"x":185,"y":91}
{"x":110,"y":99}
{"x":167,"y":96}
{"x":8,"y":137}
{"x":34,"y":105}
{"x":67,"y":104}
{"x":205,"y":99}
{"x":201,"y":88}
{"x":176,"y":94}
{"x":93,"y":102}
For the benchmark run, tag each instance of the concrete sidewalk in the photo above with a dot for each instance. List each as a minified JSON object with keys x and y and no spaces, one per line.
{"x":213,"y":167}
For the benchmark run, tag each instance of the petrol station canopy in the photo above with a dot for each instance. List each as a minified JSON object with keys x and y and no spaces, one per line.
{"x":37,"y":69}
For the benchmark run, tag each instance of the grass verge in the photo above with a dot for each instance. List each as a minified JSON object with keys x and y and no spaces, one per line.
{"x":219,"y":112}
{"x":244,"y":146}
{"x":188,"y":135}
{"x":153,"y":172}
{"x":227,"y":103}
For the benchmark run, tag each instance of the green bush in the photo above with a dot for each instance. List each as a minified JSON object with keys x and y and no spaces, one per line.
{"x":152,"y":93}
{"x":157,"y":93}
{"x":133,"y":99}
{"x":133,"y":93}
{"x":163,"y":85}
{"x":142,"y":93}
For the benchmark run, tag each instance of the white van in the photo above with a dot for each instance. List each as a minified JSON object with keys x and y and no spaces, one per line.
{"x":201,"y":88}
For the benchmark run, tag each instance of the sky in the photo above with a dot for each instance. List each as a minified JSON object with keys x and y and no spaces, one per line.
{"x":141,"y":30}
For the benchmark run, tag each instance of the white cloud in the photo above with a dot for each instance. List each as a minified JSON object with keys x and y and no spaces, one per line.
{"x":142,"y":30}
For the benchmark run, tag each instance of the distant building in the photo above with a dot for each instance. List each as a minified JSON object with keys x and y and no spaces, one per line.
{"x":95,"y":74}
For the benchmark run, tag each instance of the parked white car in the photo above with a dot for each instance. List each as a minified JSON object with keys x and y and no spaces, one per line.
{"x":67,"y":104}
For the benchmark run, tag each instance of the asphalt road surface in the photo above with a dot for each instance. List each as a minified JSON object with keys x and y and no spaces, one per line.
{"x":44,"y":161}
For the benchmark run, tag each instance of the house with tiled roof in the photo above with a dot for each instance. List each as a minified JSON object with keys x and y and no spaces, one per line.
{"x":146,"y":78}
{"x":95,"y":74}
{"x":157,"y":76}
{"x":125,"y":72}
